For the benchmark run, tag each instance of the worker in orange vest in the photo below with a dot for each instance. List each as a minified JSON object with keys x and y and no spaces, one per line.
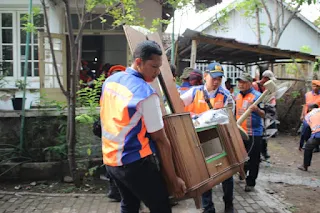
{"x":253,"y":126}
{"x":200,"y":99}
{"x":185,"y":86}
{"x":113,"y":192}
{"x":312,"y":97}
{"x":313,"y":121}
{"x":132,"y":127}
{"x":270,"y":108}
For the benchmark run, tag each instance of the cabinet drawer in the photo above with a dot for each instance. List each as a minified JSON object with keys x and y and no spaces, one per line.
{"x":217,"y":165}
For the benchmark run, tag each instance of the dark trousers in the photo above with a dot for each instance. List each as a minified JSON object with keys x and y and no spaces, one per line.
{"x":112,"y":185}
{"x":141,"y":181}
{"x":308,"y":150}
{"x":264,"y":147}
{"x":253,"y":147}
{"x":305,"y":134}
{"x":227,"y":187}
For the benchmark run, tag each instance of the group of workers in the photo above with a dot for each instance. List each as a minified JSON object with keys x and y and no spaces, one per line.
{"x":212,"y":95}
{"x":133,"y":135}
{"x":87,"y":75}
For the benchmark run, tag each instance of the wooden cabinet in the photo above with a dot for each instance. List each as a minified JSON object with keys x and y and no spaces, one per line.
{"x":204,"y":157}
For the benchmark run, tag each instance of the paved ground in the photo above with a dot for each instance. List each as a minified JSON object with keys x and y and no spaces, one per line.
{"x":258,"y":201}
{"x":267,"y":197}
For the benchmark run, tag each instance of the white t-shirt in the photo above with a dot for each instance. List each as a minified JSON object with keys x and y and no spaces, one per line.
{"x":151,"y":112}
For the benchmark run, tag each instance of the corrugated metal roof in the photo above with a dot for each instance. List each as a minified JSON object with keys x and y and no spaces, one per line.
{"x":231,"y":51}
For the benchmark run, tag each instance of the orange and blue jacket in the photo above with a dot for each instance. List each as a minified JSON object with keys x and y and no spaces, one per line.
{"x":311,"y":98}
{"x":199,"y":105}
{"x":124,"y":134}
{"x":253,"y":124}
{"x":313,"y":120}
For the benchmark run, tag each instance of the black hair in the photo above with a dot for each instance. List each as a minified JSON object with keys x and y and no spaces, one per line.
{"x":313,"y":106}
{"x":173,"y":70}
{"x":146,"y":49}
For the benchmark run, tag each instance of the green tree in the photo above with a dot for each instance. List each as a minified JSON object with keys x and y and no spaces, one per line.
{"x":122,"y":12}
{"x":277,"y":21}
{"x":317,"y":22}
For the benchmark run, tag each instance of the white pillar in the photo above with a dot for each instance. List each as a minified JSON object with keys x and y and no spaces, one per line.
{"x":193,"y":57}
{"x":56,"y":18}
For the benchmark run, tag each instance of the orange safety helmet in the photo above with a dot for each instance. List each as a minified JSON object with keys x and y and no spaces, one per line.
{"x":115,"y":68}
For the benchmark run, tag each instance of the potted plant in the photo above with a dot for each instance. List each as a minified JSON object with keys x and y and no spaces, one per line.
{"x":17,"y":102}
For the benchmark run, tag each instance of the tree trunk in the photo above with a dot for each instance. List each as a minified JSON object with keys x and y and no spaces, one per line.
{"x":71,"y":131}
{"x":72,"y":127}
{"x":258,"y":25}
{"x":276,"y":40}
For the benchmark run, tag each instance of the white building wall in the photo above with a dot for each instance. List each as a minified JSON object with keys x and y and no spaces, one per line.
{"x":297,"y":34}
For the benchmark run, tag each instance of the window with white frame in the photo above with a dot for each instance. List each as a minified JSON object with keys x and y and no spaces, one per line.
{"x":33,"y":59}
{"x":7,"y":42}
{"x":95,"y":24}
{"x":234,"y":72}
{"x":13,"y":44}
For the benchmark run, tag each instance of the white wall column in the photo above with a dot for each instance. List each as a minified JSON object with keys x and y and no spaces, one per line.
{"x":56,"y":18}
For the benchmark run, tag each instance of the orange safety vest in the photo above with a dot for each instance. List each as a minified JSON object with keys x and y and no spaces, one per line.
{"x":313,"y":120}
{"x":182,"y":90}
{"x":253,"y":124}
{"x":199,"y":105}
{"x":124,"y":134}
{"x":311,"y":98}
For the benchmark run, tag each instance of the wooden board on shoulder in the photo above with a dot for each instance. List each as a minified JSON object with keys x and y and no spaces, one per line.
{"x":134,"y":37}
{"x":167,"y":80}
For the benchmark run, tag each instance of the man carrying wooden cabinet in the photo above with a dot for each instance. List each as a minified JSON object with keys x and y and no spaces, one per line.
{"x":199,"y":99}
{"x":132,"y":127}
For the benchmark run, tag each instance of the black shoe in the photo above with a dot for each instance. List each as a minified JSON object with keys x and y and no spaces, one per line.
{"x":248,"y":188}
{"x":303,"y":168}
{"x":240,"y":178}
{"x":212,"y":210}
{"x":228,"y":208}
{"x":316,"y":150}
{"x":266,"y":156}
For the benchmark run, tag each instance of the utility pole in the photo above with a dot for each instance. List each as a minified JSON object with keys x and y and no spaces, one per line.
{"x":172,"y":42}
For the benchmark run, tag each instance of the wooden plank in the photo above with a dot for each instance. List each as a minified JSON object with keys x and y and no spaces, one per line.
{"x":134,"y":37}
{"x":166,"y":79}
